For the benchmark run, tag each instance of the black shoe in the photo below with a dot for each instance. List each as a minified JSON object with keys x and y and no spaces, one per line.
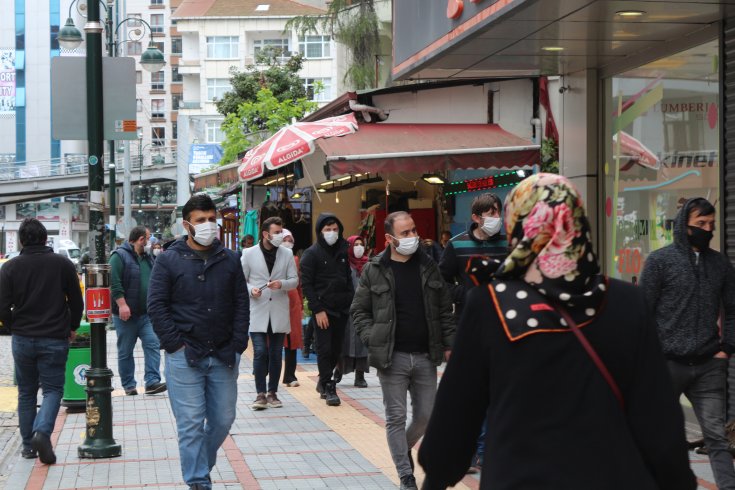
{"x":360,"y":379}
{"x":28,"y":454}
{"x":408,"y":482}
{"x":320,"y":389}
{"x":337,"y":376}
{"x":331,"y":394}
{"x":155,"y":388}
{"x":42,"y":445}
{"x":695,"y":444}
{"x":702,"y":450}
{"x":305,"y":352}
{"x":131,"y":391}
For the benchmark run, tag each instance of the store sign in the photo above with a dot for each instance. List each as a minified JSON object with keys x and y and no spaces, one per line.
{"x":507,"y":179}
{"x":203,"y":156}
{"x":98,"y":305}
{"x":7,"y":81}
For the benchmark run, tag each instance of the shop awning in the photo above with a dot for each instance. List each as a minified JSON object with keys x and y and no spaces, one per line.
{"x":386,"y":148}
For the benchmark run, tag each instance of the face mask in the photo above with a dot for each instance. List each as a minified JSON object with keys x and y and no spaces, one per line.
{"x":156,"y":252}
{"x":699,"y":238}
{"x":407,"y":246}
{"x":288,"y":245}
{"x":491,"y":225}
{"x":359,"y":251}
{"x":276,"y":239}
{"x":204,"y":233}
{"x":147,"y":248}
{"x":331,"y":237}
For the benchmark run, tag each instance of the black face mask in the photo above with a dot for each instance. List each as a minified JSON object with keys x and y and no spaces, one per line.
{"x":699,"y":238}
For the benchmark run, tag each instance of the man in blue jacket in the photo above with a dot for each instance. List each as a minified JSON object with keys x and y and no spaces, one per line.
{"x":198,"y":303}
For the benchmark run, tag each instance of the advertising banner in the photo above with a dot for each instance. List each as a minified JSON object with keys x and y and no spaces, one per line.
{"x":7,"y":81}
{"x":203,"y":156}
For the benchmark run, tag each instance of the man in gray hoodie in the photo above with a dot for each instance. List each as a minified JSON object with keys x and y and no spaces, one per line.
{"x":686,"y":285}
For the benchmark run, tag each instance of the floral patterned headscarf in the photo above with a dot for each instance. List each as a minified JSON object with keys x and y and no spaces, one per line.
{"x":552,"y":253}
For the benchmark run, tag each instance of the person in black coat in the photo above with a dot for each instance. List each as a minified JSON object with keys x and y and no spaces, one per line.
{"x":555,"y":418}
{"x":326,"y":280}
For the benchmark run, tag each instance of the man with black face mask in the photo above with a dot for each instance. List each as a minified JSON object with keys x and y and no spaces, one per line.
{"x":686,"y":285}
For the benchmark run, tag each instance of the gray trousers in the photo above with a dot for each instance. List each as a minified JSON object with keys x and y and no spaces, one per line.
{"x":408,"y":373}
{"x":704,"y":386}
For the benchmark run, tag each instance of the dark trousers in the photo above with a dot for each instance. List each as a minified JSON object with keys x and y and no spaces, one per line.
{"x":329,"y":346}
{"x":704,"y":386}
{"x":289,"y":366}
{"x":309,"y":335}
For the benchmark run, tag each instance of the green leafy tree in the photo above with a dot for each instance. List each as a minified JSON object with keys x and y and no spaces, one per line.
{"x":257,"y":119}
{"x":353,"y":23}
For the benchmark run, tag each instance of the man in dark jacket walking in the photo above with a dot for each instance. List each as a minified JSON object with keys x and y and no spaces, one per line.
{"x":41,"y":303}
{"x":326,"y":280}
{"x":131,"y":266}
{"x":686,"y":285}
{"x":403,"y":314}
{"x":198,"y":302}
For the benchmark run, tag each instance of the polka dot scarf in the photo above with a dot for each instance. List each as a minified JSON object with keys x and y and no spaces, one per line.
{"x":552,"y":253}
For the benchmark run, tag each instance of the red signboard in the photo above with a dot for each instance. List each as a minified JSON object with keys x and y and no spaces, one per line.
{"x":98,"y":305}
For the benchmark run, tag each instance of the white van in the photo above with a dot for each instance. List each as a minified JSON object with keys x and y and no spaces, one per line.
{"x":67,"y":248}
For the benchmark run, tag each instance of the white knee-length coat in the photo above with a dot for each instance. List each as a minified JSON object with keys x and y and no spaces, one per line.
{"x":273,"y":303}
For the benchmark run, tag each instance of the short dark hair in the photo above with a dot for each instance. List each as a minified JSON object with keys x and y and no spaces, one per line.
{"x":198,"y":202}
{"x":702,"y":206}
{"x":486,"y":202}
{"x":391,"y":218}
{"x":329,"y":222}
{"x":136,"y":233}
{"x":273,"y":220}
{"x":32,"y":232}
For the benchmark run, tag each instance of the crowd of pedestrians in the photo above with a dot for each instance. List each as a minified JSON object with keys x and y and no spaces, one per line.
{"x":556,"y":376}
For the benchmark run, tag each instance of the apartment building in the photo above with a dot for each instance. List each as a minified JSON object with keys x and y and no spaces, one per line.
{"x":219,"y":35}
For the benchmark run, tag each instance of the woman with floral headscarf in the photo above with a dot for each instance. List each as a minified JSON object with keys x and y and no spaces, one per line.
{"x":556,"y":419}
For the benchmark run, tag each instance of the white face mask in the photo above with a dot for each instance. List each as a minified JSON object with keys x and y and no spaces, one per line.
{"x":157,"y":252}
{"x":491,"y":225}
{"x":407,"y":246}
{"x":204,"y":233}
{"x":359,"y":251}
{"x":330,"y":237}
{"x":147,"y":248}
{"x":276,"y":239}
{"x":288,"y":245}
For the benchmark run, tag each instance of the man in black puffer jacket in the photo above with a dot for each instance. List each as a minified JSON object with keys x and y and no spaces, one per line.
{"x":327,"y":284}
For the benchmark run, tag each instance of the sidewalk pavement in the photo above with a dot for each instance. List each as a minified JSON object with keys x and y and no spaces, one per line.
{"x":303,"y":445}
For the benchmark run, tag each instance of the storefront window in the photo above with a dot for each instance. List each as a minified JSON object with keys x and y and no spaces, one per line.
{"x":661,"y":147}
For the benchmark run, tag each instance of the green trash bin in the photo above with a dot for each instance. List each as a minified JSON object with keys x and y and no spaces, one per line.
{"x":77,"y":364}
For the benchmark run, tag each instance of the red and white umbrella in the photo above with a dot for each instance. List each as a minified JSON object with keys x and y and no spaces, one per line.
{"x":637,"y":151}
{"x":292,"y":143}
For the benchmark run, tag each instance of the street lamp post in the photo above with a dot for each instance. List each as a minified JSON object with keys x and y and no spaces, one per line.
{"x":99,"y":441}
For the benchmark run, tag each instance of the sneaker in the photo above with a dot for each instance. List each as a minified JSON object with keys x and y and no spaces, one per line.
{"x":260,"y":402}
{"x":28,"y":454}
{"x":293,"y":384}
{"x":131,"y":391}
{"x":273,"y":401}
{"x":408,"y":482}
{"x":330,"y":390}
{"x":41,"y":443}
{"x":155,"y":388}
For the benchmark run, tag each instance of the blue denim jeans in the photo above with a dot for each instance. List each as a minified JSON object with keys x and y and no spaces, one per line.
{"x":267,"y":355}
{"x":128,"y":333}
{"x":704,"y":386}
{"x":203,"y":399}
{"x":39,"y":361}
{"x":408,"y":373}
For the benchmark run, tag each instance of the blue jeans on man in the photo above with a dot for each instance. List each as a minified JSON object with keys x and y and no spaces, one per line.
{"x":203,"y":399}
{"x":128,"y":333}
{"x":267,"y":355}
{"x":39,"y":361}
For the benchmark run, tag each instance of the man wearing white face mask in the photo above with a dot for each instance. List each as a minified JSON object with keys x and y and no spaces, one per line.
{"x":403,"y":313}
{"x":198,"y":302}
{"x":270,"y":272}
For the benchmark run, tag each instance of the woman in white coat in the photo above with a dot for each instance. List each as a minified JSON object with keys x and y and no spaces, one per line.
{"x":270,"y":272}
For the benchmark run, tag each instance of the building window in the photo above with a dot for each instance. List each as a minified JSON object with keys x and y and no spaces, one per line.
{"x":157,"y":80}
{"x":176,"y":101}
{"x":662,"y":149}
{"x":224,"y":47}
{"x":214,"y":132}
{"x":156,"y":2}
{"x":174,"y":130}
{"x":176,"y":45}
{"x":139,"y":105}
{"x":134,"y":23}
{"x":134,"y":48}
{"x":217,"y":88}
{"x":315,"y":46}
{"x":175,"y":75}
{"x":278,"y":46}
{"x":158,"y":136}
{"x":158,"y":108}
{"x":159,"y":45}
{"x":318,"y":89}
{"x":157,"y":23}
{"x":138,"y":76}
